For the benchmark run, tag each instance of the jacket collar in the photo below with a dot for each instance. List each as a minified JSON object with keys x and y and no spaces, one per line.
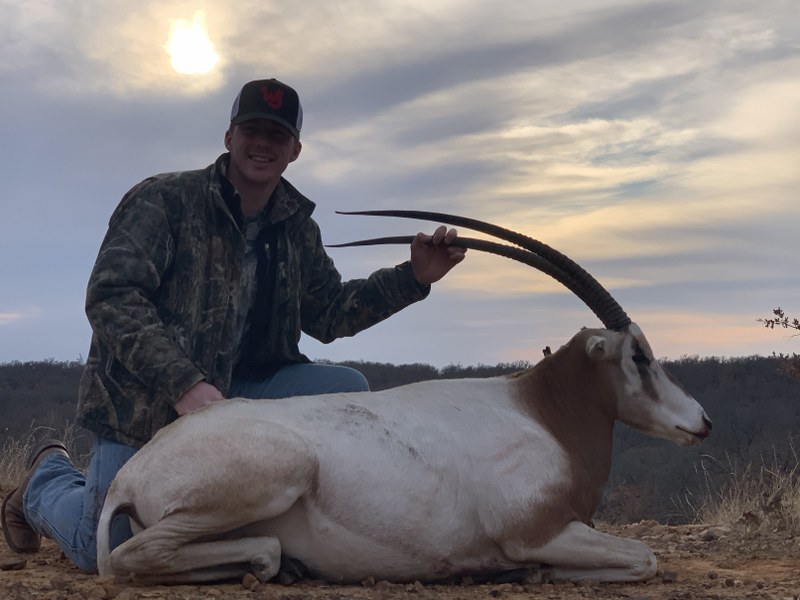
{"x":286,"y":200}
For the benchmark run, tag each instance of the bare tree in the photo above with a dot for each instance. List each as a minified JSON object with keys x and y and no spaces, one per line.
{"x":790,"y":363}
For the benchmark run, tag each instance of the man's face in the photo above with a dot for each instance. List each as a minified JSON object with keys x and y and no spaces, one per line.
{"x":260,"y":150}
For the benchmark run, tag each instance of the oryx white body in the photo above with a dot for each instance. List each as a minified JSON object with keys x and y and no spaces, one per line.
{"x":421,"y":482}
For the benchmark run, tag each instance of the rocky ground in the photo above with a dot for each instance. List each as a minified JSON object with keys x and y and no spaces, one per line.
{"x":695,"y":562}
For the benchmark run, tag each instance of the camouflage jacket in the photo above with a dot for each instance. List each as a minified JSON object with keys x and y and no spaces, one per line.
{"x":162,"y":298}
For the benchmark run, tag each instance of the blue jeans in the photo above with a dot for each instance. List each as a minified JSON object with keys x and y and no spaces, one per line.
{"x":62,"y":504}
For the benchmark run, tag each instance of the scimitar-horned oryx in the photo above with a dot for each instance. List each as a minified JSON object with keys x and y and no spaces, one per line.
{"x":428,"y":481}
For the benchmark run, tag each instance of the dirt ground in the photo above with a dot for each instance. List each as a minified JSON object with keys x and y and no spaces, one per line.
{"x":695,"y":562}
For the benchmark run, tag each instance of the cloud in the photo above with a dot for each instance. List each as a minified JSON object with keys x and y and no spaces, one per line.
{"x":9,"y":317}
{"x":101,"y":48}
{"x":654,"y":142}
{"x":15,"y":317}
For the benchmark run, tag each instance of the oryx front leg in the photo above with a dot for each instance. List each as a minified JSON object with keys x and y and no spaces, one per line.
{"x":581,"y":553}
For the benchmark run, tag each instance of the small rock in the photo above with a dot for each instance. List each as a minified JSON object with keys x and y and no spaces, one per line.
{"x":113,"y":590}
{"x":368,"y":582}
{"x":249,"y":581}
{"x":713,"y":533}
{"x":713,"y":575}
{"x":61,"y":583}
{"x":13,"y":564}
{"x":669,"y":577}
{"x":97,"y":593}
{"x":730,"y":582}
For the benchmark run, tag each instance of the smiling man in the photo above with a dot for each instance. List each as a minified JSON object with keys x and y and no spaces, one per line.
{"x":261,"y":146}
{"x":201,"y":289}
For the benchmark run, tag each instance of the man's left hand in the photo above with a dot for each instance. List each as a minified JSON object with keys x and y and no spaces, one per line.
{"x":432,"y":256}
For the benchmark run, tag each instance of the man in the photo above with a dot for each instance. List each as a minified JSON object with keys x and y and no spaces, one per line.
{"x":202,"y":286}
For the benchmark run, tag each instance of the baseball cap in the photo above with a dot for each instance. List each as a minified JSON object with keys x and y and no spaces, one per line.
{"x":269,"y":99}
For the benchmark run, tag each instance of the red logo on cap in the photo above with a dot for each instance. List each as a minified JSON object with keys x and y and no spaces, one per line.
{"x":273,"y":98}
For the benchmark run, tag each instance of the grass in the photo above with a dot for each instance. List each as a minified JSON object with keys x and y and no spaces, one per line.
{"x":14,"y":451}
{"x":764,"y":497}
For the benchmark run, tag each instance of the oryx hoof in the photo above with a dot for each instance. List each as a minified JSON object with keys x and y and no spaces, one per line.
{"x":264,"y":567}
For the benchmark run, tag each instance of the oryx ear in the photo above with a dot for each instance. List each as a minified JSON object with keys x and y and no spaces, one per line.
{"x":595,"y":346}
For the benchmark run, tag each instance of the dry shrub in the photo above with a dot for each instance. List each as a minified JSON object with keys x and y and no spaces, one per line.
{"x":789,"y":363}
{"x":14,"y":451}
{"x":760,"y":498}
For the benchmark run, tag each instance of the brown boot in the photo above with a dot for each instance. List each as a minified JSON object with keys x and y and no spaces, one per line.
{"x":20,"y":537}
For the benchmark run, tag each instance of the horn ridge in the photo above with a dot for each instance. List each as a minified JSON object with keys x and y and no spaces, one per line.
{"x":519,"y":254}
{"x":577,"y":279}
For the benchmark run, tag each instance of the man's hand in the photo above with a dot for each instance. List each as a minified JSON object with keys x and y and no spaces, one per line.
{"x":198,"y":396}
{"x":432,"y":256}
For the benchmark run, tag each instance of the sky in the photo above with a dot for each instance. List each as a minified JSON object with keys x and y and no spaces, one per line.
{"x":656,"y":143}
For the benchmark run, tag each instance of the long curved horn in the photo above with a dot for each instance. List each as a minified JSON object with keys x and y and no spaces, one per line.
{"x":519,"y":254}
{"x":559,"y":266}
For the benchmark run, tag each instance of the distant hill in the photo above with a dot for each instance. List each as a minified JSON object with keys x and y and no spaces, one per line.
{"x":755,"y":408}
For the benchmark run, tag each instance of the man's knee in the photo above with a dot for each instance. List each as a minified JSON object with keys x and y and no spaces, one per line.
{"x":314,"y":378}
{"x":348,"y":379}
{"x":305,"y":379}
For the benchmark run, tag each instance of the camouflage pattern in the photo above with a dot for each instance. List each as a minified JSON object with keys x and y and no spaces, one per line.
{"x":162,"y":299}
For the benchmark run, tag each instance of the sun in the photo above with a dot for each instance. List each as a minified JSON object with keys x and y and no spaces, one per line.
{"x":191,"y":51}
